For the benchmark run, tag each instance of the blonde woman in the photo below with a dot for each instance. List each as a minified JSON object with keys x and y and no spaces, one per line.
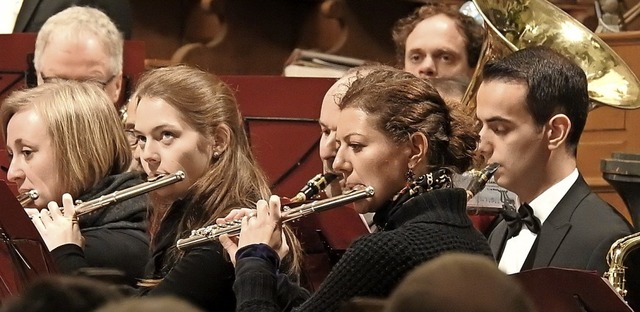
{"x":66,"y":137}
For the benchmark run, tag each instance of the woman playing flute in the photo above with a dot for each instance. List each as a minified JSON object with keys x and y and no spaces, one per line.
{"x":66,"y":137}
{"x":395,"y":133}
{"x":188,"y":120}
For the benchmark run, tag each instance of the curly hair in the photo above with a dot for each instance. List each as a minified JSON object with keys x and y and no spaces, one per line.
{"x":472,"y":32}
{"x":401,"y":104}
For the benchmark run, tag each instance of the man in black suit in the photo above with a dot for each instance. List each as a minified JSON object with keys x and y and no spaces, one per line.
{"x":34,"y":13}
{"x":533,"y":106}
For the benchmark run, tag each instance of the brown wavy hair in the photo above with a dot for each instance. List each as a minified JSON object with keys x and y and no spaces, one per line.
{"x":472,"y":32}
{"x":402,"y":104}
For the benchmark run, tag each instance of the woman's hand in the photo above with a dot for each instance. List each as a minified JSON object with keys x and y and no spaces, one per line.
{"x":260,"y":226}
{"x":58,"y":227}
{"x":32,"y":212}
{"x":230,"y":243}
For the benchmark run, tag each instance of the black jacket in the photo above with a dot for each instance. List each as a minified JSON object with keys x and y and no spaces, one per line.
{"x":202,"y":276}
{"x":576,"y":235}
{"x":115,"y":236}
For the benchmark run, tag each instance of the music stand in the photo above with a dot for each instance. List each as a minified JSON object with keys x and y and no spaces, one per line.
{"x":568,"y":290}
{"x":280,"y":115}
{"x":23,"y":255}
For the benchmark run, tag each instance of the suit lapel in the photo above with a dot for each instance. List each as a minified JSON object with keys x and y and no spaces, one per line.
{"x":25,"y":14}
{"x":557,"y":225}
{"x":497,"y":240}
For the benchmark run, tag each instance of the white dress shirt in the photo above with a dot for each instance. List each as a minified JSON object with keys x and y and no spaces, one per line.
{"x":517,"y":248}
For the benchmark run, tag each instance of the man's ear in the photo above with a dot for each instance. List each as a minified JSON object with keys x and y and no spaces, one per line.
{"x":220,"y":139}
{"x":418,"y":145}
{"x":117,"y":85}
{"x":558,"y":131}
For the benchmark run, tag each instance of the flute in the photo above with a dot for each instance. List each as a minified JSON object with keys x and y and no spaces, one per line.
{"x":213,"y":232}
{"x":27,"y":197}
{"x":83,"y":208}
{"x":90,"y":206}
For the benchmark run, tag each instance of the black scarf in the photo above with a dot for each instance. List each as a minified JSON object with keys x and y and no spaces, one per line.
{"x":431,"y":181}
{"x":128,"y":214}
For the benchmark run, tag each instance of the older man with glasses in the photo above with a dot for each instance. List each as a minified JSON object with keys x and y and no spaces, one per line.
{"x":83,"y":44}
{"x":129,"y":120}
{"x":80,"y":43}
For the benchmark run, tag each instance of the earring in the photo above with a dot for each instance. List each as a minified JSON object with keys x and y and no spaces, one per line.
{"x":410,"y":175}
{"x":410,"y":181}
{"x":216,"y":155}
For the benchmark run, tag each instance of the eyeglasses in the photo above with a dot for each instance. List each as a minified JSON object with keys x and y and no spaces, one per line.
{"x":103,"y":84}
{"x":132,"y":138}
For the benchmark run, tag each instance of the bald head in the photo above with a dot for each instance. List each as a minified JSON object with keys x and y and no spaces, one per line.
{"x":329,"y":113}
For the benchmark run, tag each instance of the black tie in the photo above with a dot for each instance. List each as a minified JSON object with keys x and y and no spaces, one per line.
{"x":524,"y":216}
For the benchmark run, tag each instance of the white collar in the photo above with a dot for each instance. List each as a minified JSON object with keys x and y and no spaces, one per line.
{"x":544,"y":204}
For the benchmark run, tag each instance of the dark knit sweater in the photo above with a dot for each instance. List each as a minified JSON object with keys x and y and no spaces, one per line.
{"x":115,"y":236}
{"x":418,"y":230}
{"x":203,"y":276}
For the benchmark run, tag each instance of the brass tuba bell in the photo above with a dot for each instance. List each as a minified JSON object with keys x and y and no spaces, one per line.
{"x":516,"y":24}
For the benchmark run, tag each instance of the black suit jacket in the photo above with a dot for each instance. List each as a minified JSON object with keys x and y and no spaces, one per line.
{"x":34,"y":13}
{"x":577,"y":234}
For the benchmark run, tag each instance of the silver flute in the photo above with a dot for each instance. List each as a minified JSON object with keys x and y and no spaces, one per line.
{"x":27,"y":197}
{"x":90,"y":206}
{"x":212,"y":232}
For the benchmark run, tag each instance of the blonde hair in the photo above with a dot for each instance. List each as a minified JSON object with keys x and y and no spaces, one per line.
{"x":84,"y":127}
{"x":76,"y":22}
{"x":234,"y":179}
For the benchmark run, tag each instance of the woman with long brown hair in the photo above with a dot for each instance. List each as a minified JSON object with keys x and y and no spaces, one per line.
{"x":188,"y":120}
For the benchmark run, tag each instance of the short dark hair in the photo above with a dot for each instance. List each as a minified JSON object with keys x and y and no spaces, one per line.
{"x":473,"y":33}
{"x":401,"y":104}
{"x":556,"y":85}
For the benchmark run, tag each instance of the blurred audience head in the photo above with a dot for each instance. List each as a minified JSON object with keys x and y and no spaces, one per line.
{"x":452,"y":282}
{"x":459,"y":282}
{"x":150,"y":304}
{"x":63,"y":293}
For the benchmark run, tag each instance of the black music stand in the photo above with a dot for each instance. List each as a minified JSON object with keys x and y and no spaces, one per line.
{"x":568,"y":290}
{"x":622,"y":171}
{"x":23,"y":255}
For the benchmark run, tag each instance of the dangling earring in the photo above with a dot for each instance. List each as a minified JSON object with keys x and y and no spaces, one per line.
{"x":410,"y":181}
{"x":216,"y":155}
{"x":409,"y":176}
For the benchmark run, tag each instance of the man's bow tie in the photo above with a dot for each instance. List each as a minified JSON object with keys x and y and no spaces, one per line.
{"x":524,"y":216}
